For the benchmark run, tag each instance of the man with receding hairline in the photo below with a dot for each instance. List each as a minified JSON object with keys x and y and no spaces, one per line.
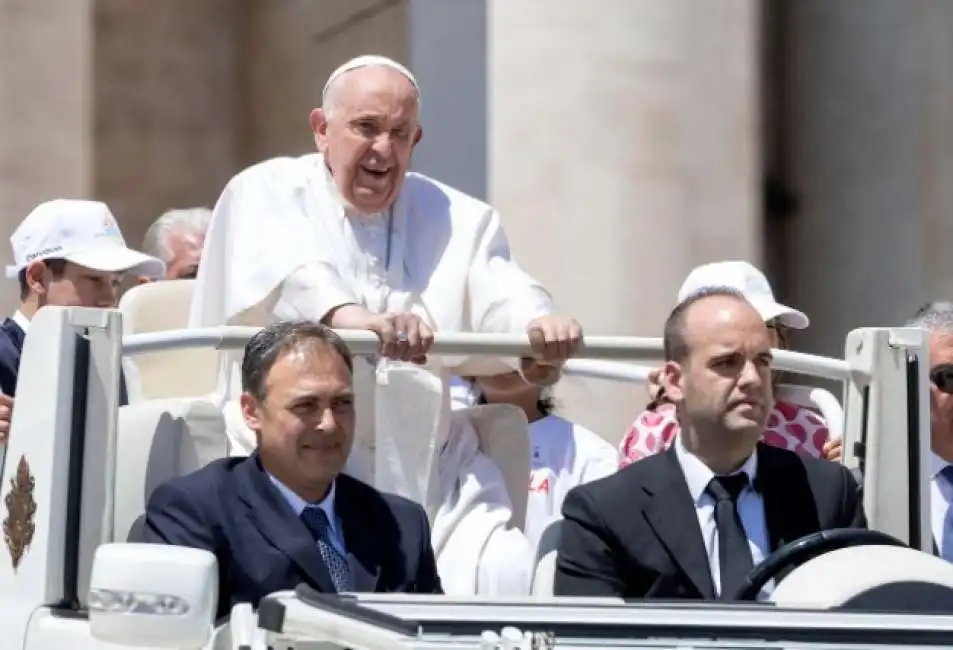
{"x":692,"y":522}
{"x":350,"y":237}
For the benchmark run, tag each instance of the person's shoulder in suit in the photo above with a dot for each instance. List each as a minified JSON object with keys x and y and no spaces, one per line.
{"x":832,"y":486}
{"x":11,"y":346}
{"x":596,"y":536}
{"x":403,"y":521}
{"x":398,"y":505}
{"x":616,"y":493}
{"x":183,"y":510}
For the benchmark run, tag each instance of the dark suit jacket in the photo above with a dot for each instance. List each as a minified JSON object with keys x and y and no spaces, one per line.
{"x":635,"y":534}
{"x":11,"y":345}
{"x":231,"y":508}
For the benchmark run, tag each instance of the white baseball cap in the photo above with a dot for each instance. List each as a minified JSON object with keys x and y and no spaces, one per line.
{"x":82,"y":232}
{"x":750,"y":282}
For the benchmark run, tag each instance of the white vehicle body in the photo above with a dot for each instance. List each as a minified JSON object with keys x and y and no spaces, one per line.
{"x":77,"y":469}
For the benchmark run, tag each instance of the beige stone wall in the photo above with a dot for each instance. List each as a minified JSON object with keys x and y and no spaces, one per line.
{"x":623,"y":152}
{"x":869,"y":150}
{"x":290,"y":49}
{"x":45,"y":111}
{"x":166,"y":106}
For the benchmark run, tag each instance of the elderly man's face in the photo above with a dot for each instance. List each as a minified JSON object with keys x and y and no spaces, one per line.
{"x":724,"y":385}
{"x":305,"y":423}
{"x":368,"y":138}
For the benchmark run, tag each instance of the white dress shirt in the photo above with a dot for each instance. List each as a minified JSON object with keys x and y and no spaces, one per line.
{"x":327,"y":505}
{"x":22,"y":321}
{"x":941,"y":499}
{"x":750,"y":509}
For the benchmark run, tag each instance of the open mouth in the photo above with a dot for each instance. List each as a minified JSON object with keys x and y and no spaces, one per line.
{"x":375,"y":173}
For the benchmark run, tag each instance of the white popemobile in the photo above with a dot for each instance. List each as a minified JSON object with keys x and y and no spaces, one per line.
{"x":78,"y":470}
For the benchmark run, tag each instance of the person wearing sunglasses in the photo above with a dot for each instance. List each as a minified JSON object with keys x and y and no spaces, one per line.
{"x":790,"y":426}
{"x":937,"y":318}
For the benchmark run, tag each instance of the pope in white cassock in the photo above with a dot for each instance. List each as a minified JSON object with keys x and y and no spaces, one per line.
{"x":350,"y":237}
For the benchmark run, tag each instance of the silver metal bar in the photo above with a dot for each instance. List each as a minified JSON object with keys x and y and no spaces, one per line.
{"x":630,"y":348}
{"x":365,"y":343}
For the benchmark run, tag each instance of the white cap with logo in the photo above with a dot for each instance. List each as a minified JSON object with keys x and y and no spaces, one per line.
{"x":82,"y":232}
{"x":750,"y":282}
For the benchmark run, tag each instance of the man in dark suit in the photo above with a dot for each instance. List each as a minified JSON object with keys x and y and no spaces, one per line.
{"x":286,"y":515}
{"x":693,"y":521}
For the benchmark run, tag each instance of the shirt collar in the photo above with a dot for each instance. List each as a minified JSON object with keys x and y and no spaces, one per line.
{"x":937,"y":465}
{"x":298,"y":504}
{"x":22,"y":321}
{"x":698,"y":475}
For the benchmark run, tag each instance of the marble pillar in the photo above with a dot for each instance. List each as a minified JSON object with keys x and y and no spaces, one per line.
{"x":46,"y":144}
{"x":868,"y":150}
{"x":623,"y":151}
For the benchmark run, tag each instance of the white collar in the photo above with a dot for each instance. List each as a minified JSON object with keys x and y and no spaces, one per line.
{"x":22,"y":321}
{"x":298,"y":504}
{"x":937,"y":465}
{"x":698,"y":475}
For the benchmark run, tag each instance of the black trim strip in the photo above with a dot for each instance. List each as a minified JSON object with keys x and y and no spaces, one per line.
{"x":913,"y":448}
{"x":271,"y":614}
{"x":74,"y":481}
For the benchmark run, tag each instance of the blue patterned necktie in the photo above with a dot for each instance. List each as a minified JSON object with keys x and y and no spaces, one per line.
{"x":317,"y":522}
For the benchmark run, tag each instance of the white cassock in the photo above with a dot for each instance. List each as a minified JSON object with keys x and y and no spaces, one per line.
{"x":282,"y":246}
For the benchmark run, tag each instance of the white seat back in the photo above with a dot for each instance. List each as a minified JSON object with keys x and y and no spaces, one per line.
{"x":544,"y":569}
{"x":156,"y":307}
{"x":159,"y":440}
{"x":503,"y":434}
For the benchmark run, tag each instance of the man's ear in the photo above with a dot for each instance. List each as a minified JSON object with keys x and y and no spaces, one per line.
{"x":418,"y":135}
{"x":37,"y":277}
{"x":319,"y":126}
{"x":251,"y":412}
{"x":672,"y":380}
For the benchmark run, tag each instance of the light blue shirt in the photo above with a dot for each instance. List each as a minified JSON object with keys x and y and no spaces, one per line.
{"x":327,"y":504}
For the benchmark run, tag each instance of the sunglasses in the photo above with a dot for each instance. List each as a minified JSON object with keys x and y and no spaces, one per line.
{"x":942,"y":377}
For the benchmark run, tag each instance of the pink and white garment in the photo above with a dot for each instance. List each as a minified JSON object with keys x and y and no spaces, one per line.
{"x":789,"y":426}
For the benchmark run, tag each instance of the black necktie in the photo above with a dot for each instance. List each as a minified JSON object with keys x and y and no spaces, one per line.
{"x":734,"y":555}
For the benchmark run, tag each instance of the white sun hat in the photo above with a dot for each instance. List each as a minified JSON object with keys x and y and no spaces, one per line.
{"x":82,"y":232}
{"x":750,"y":282}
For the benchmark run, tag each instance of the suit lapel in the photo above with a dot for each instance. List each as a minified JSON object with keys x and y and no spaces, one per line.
{"x":671,"y":514}
{"x":363,"y":548}
{"x":276,"y":521}
{"x":785,"y":492}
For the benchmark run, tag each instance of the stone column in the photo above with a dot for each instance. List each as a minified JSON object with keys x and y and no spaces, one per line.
{"x":869,"y":151}
{"x":624,"y":150}
{"x":166,"y":106}
{"x":45,"y":111}
{"x":448,"y":55}
{"x":290,"y":49}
